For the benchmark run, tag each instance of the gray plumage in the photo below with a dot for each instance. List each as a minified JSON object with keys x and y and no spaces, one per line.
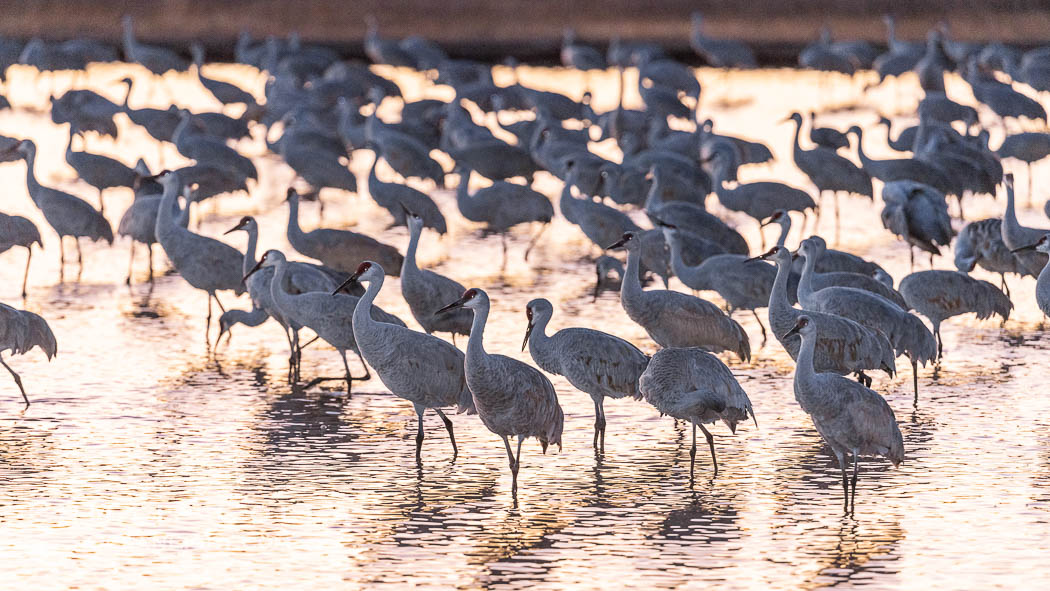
{"x":820,"y":280}
{"x":675,"y":319}
{"x":694,"y":385}
{"x":604,"y":266}
{"x":719,"y":53}
{"x":20,"y":332}
{"x":139,"y":223}
{"x":340,"y":249}
{"x":844,"y":346}
{"x":101,"y":172}
{"x":579,"y":56}
{"x":157,"y":60}
{"x":760,"y":199}
{"x":225,"y":92}
{"x":425,"y":291}
{"x":319,"y":168}
{"x":826,"y":136}
{"x":420,"y":368}
{"x":980,"y":244}
{"x":918,"y":214}
{"x":851,"y":418}
{"x":601,"y":224}
{"x":210,"y":150}
{"x":939,"y":295}
{"x":397,"y":198}
{"x":691,"y":217}
{"x":596,"y":363}
{"x":405,"y":154}
{"x":1042,"y":284}
{"x":1017,"y":236}
{"x":901,"y":169}
{"x":511,"y":397}
{"x":503,"y":205}
{"x":67,"y":214}
{"x":905,"y":332}
{"x":16,"y":230}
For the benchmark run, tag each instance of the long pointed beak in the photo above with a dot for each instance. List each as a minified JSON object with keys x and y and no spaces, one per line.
{"x":254,"y":269}
{"x":349,"y":281}
{"x":794,"y":331}
{"x":616,"y":244}
{"x":233,"y":229}
{"x":456,"y":304}
{"x":528,"y":333}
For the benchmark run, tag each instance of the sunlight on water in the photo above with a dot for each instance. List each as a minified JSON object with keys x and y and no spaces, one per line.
{"x":145,"y":458}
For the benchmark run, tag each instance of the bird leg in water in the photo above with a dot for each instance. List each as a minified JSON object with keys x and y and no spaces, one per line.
{"x":760,"y":325}
{"x":419,"y":433}
{"x":25,"y":277}
{"x":533,"y":240}
{"x":503,"y":239}
{"x":513,"y":466}
{"x":599,"y":423}
{"x":915,"y":379}
{"x":80,"y":258}
{"x":18,"y":380}
{"x":149,"y":260}
{"x":853,"y":492}
{"x":517,"y":461}
{"x":692,"y":456}
{"x":131,"y":263}
{"x":207,"y":321}
{"x":710,"y":443}
{"x":845,"y":480}
{"x":61,"y":259}
{"x":451,"y":435}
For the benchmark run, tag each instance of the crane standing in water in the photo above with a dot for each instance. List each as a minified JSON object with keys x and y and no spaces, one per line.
{"x":20,"y":331}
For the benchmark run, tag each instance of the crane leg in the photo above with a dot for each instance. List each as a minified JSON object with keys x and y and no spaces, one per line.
{"x":1029,"y":165}
{"x":80,"y":258}
{"x":368,"y":375}
{"x":710,"y":444}
{"x":911,"y":258}
{"x":101,"y":203}
{"x":451,"y":435}
{"x":845,"y":481}
{"x":25,"y":277}
{"x":940,"y":343}
{"x":853,"y":491}
{"x":419,"y":433}
{"x":599,"y":422}
{"x":760,"y":325}
{"x":61,"y":259}
{"x":931,"y":260}
{"x":503,"y":238}
{"x":219,"y":303}
{"x":149,"y":260}
{"x":18,"y":380}
{"x":207,"y":321}
{"x":1003,"y":285}
{"x":838,"y":226}
{"x":517,"y":463}
{"x":692,"y":456}
{"x":131,"y":264}
{"x":915,"y":380}
{"x":533,"y":240}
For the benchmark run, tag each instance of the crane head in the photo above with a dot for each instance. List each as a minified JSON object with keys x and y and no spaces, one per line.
{"x":802,"y":326}
{"x":241,"y":225}
{"x":469,"y":299}
{"x":362,"y":270}
{"x":629,"y":241}
{"x":1042,"y":245}
{"x":766,"y":255}
{"x":773,"y":219}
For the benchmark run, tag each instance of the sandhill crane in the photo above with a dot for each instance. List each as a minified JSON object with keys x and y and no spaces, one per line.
{"x":918,"y":214}
{"x":851,"y":418}
{"x":719,"y":53}
{"x":425,"y":370}
{"x":139,"y":223}
{"x":939,"y":295}
{"x":511,"y":397}
{"x":691,"y":217}
{"x":742,"y":282}
{"x":397,"y":198}
{"x":20,"y":332}
{"x":1015,"y":235}
{"x":1042,"y":284}
{"x":600,"y":223}
{"x":1027,"y":147}
{"x":829,"y":171}
{"x":675,"y":319}
{"x":328,"y":315}
{"x":340,"y":249}
{"x":157,"y":60}
{"x":405,"y":154}
{"x":844,"y":346}
{"x":205,"y":263}
{"x":905,"y":140}
{"x":503,"y":205}
{"x":67,"y":214}
{"x":900,"y":169}
{"x":981,"y":244}
{"x":693,"y":385}
{"x":16,"y":230}
{"x":603,"y":267}
{"x":425,"y":291}
{"x":158,"y":123}
{"x":826,"y":136}
{"x":225,"y":92}
{"x":596,"y":363}
{"x":101,"y":172}
{"x":817,"y":254}
{"x":1002,"y":98}
{"x":906,"y":333}
{"x":210,"y":150}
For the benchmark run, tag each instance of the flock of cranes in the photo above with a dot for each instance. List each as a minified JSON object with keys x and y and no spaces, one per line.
{"x":835,"y":313}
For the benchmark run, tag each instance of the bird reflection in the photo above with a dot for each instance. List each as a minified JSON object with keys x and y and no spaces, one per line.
{"x":854,"y":552}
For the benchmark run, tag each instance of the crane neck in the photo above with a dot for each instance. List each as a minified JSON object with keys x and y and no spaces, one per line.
{"x":373,"y":178}
{"x":1010,"y":216}
{"x":464,"y":200}
{"x":778,"y":296}
{"x":180,"y":129}
{"x":31,"y":182}
{"x":249,"y":252}
{"x":860,"y":149}
{"x":282,"y":298}
{"x":165,"y":219}
{"x":654,"y":199}
{"x":540,"y":343}
{"x":475,"y":343}
{"x":798,"y":132}
{"x":805,"y":283}
{"x":567,"y":203}
{"x":804,"y":372}
{"x":363,"y":310}
{"x":785,"y":228}
{"x":295,"y":233}
{"x":631,"y":285}
{"x":697,"y":276}
{"x":725,"y":196}
{"x":409,"y":262}
{"x":127,"y":95}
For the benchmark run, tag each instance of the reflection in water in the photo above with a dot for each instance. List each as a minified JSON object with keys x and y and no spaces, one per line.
{"x":146,"y":452}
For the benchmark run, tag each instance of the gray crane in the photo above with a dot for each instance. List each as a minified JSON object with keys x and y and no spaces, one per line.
{"x":225,"y":92}
{"x":339,"y":249}
{"x":831,"y":260}
{"x":600,"y":223}
{"x":328,"y":315}
{"x":67,"y":214}
{"x":981,"y":244}
{"x":579,"y":56}
{"x":319,"y":168}
{"x":205,"y":263}
{"x":905,"y":139}
{"x":101,"y":172}
{"x":157,"y":60}
{"x":408,"y":156}
{"x":901,"y":169}
{"x":691,"y":217}
{"x":905,"y":332}
{"x":301,"y":278}
{"x":1015,"y":235}
{"x":603,"y":267}
{"x":1042,"y":284}
{"x":139,"y":223}
{"x":20,"y":332}
{"x":719,"y":53}
{"x":596,"y":363}
{"x":513,"y":399}
{"x":826,"y":136}
{"x":851,"y":418}
{"x":158,"y":123}
{"x":425,"y":370}
{"x":939,"y":295}
{"x":742,"y":282}
{"x":1027,"y":147}
{"x":829,"y":171}
{"x":695,"y":386}
{"x":16,"y":230}
{"x":210,"y":150}
{"x":426,"y":291}
{"x":917,"y":213}
{"x":503,"y":205}
{"x":818,"y":252}
{"x":675,"y":319}
{"x":844,"y":346}
{"x":397,"y":198}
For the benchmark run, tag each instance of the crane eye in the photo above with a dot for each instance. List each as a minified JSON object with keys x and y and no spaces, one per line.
{"x":470,"y":293}
{"x":363,"y":267}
